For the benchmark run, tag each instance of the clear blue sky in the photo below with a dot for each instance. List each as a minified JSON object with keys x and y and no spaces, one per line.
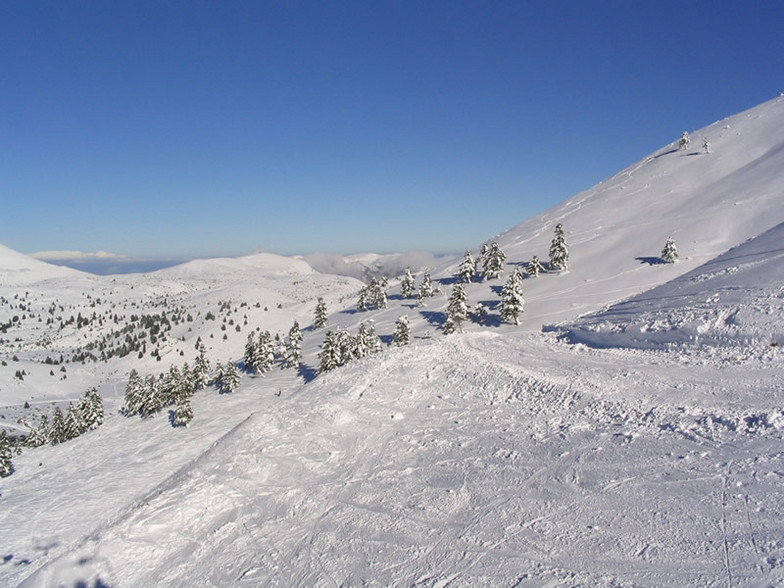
{"x":196,"y":128}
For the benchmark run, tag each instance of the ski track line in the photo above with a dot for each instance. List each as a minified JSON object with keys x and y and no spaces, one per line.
{"x":169,"y":483}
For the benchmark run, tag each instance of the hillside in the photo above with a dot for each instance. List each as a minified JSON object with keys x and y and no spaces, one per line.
{"x":499,"y":455}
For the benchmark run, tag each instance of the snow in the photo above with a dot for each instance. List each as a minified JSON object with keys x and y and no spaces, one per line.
{"x":636,"y":442}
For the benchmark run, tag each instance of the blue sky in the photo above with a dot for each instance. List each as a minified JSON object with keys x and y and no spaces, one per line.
{"x":188,"y":129}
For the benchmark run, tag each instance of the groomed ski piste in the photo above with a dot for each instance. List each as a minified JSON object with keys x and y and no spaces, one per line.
{"x":636,"y":440}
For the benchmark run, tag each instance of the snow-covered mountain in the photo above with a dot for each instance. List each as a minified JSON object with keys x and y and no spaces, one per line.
{"x":17,"y":269}
{"x":496,"y":456}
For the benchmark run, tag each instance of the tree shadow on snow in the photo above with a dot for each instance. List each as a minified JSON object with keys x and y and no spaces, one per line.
{"x":446,"y":281}
{"x":650,"y":260}
{"x":665,"y":153}
{"x":306,"y":372}
{"x":496,"y":290}
{"x":433,"y":317}
{"x":387,"y":339}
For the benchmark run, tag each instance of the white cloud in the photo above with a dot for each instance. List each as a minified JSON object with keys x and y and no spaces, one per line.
{"x":73,"y":255}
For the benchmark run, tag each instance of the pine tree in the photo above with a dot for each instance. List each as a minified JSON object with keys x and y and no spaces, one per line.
{"x":426,"y":289}
{"x":366,"y":342}
{"x":456,"y":308}
{"x":320,"y":319}
{"x":408,"y":285}
{"x":373,"y":295}
{"x":39,"y":435}
{"x":402,"y":332}
{"x":265,"y":353}
{"x":670,"y":252}
{"x":134,"y":394}
{"x":201,"y":369}
{"x":294,"y":347}
{"x":493,"y":262}
{"x":706,"y":145}
{"x":6,"y":455}
{"x":251,"y":353}
{"x":683,"y":142}
{"x":229,"y":377}
{"x":512,"y":298}
{"x":57,"y":432}
{"x":346,"y":346}
{"x":559,"y":252}
{"x":467,"y":268}
{"x":329,"y":355}
{"x":74,"y":423}
{"x":183,"y":412}
{"x":480,"y":313}
{"x":91,"y":409}
{"x":535,"y":266}
{"x":153,"y":396}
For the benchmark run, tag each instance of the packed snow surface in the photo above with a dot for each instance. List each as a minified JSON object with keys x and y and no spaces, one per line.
{"x":638,"y":443}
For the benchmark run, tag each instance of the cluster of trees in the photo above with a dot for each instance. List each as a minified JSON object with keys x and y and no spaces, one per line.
{"x":85,"y":415}
{"x":262,"y":352}
{"x":340,"y":346}
{"x":374,"y":295}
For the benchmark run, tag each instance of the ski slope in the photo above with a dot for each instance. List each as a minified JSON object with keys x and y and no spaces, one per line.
{"x":636,"y":442}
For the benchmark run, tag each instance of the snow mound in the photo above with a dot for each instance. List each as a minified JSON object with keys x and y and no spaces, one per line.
{"x":735,"y":300}
{"x":17,"y":269}
{"x":267,"y":264}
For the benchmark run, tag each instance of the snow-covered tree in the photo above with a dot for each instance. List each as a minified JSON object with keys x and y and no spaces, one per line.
{"x":228,"y":377}
{"x":57,"y":431}
{"x":512,"y":298}
{"x":74,"y":423}
{"x":183,"y":411}
{"x":154,"y":397}
{"x":493,"y":262}
{"x":559,"y":252}
{"x":320,"y":320}
{"x":366,"y":342}
{"x":683,"y":142}
{"x":456,"y":308}
{"x":6,"y":455}
{"x":39,"y":435}
{"x":467,"y":268}
{"x":706,"y":145}
{"x":264,"y":357}
{"x":251,"y":353}
{"x":670,"y":252}
{"x":294,"y":346}
{"x":91,"y":409}
{"x":408,"y":285}
{"x":201,"y":369}
{"x":134,"y":394}
{"x":535,"y":266}
{"x":402,"y":333}
{"x":373,"y":295}
{"x":329,"y":356}
{"x":480,"y":313}
{"x":426,"y":289}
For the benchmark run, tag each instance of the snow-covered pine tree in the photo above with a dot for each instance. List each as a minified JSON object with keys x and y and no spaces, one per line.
{"x":183,"y":411}
{"x":346,"y":345}
{"x":329,"y":355}
{"x":91,"y":409}
{"x":366,"y":342}
{"x":134,"y":394}
{"x":467,"y":268}
{"x":670,"y":252}
{"x":493,"y":262}
{"x":683,"y":142}
{"x":559,"y":252}
{"x":320,"y":320}
{"x":408,"y":285}
{"x":480,"y":313}
{"x":706,"y":145}
{"x":373,"y":295}
{"x":201,"y":369}
{"x":402,"y":333}
{"x":535,"y":266}
{"x":251,"y":353}
{"x":39,"y":435}
{"x":74,"y":423}
{"x":265,"y":353}
{"x":230,"y":377}
{"x":512,"y":298}
{"x":449,"y":326}
{"x":57,"y":432}
{"x":481,"y":259}
{"x":457,"y":307}
{"x":294,"y":346}
{"x":6,"y":455}
{"x":154,"y":396}
{"x":426,"y":289}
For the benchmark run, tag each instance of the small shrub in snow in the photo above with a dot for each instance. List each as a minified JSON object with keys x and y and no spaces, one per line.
{"x":670,"y":252}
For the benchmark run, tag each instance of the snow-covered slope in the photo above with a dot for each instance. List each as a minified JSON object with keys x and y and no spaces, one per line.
{"x":707,"y":202}
{"x":736,"y":299}
{"x":491,"y":457}
{"x":17,"y":269}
